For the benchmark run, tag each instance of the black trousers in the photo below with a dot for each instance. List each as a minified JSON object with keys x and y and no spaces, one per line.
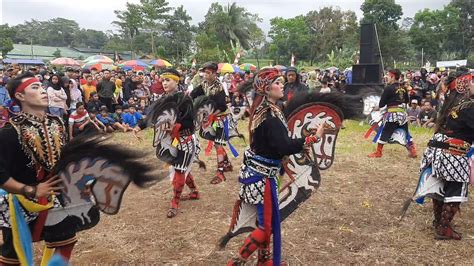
{"x":107,"y":102}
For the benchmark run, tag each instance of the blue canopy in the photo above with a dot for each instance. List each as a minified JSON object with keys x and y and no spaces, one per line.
{"x":23,"y":61}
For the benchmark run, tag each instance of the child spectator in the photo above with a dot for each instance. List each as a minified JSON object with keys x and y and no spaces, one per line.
{"x":79,"y":121}
{"x":132,"y":117}
{"x":427,"y":116}
{"x":57,"y":96}
{"x":94,"y":102}
{"x":98,"y":126}
{"x":108,"y":120}
{"x":89,"y":88}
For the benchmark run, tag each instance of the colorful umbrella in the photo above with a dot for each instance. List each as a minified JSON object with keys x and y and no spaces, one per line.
{"x":281,"y":67}
{"x":225,"y":68}
{"x":99,"y":59}
{"x":161,"y":63}
{"x":64,"y":61}
{"x":134,"y":63}
{"x":98,"y":66}
{"x":248,"y":67}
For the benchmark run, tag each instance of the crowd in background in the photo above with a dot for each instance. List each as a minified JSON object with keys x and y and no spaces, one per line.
{"x":108,"y":101}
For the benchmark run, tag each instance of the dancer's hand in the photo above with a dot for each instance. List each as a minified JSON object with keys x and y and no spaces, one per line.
{"x":51,"y":186}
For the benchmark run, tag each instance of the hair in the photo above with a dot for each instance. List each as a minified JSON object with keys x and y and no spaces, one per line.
{"x":79,"y":104}
{"x":15,"y":82}
{"x":57,"y":86}
{"x":88,"y":76}
{"x":396,"y":72}
{"x":452,"y":100}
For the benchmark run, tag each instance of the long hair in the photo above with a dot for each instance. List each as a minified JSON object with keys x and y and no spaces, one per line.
{"x":452,"y":100}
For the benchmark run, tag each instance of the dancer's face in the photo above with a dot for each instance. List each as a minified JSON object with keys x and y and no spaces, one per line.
{"x":276,"y":89}
{"x":34,"y":95}
{"x":169,"y":85}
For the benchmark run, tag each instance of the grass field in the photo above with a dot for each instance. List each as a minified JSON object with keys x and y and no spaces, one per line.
{"x":352,"y":218}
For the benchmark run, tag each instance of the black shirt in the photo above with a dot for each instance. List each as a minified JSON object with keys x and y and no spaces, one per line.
{"x":106,"y":89}
{"x":460,"y":124}
{"x":13,"y":161}
{"x":424,"y":115}
{"x":271,"y":140}
{"x":393,"y":95}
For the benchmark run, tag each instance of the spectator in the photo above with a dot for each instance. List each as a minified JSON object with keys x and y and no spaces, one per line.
{"x":118,"y":117}
{"x":57,"y":96}
{"x":413,"y":111}
{"x":98,"y":127}
{"x":132,"y":117}
{"x":88,"y":88}
{"x":118,"y":95}
{"x":313,"y":82}
{"x":427,"y":116}
{"x":4,"y":96}
{"x":324,"y":87}
{"x":79,"y":121}
{"x":94,"y":102}
{"x":3,"y":115}
{"x":293,"y":84}
{"x":106,"y":90}
{"x":75,"y":94}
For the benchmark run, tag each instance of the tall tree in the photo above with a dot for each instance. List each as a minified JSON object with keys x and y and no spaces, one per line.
{"x":179,"y":34}
{"x":7,"y":35}
{"x":465,"y":9}
{"x":154,"y":12}
{"x":331,"y":29}
{"x":129,"y":21}
{"x":289,"y":36}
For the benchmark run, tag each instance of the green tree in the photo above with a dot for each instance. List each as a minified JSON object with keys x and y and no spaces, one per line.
{"x":331,"y":29}
{"x":465,"y":27}
{"x":129,"y":22}
{"x":257,"y":39}
{"x":434,"y":30}
{"x":155,"y":13}
{"x":386,"y":14}
{"x":224,"y":28}
{"x":90,"y":38}
{"x":289,"y":36}
{"x":7,"y":33}
{"x":178,"y":33}
{"x":57,"y":53}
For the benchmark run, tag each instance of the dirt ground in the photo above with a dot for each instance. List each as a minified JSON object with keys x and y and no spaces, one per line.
{"x":352,"y":218}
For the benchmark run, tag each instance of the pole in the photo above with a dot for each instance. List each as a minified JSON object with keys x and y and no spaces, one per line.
{"x":378,"y":44}
{"x":422,"y":57}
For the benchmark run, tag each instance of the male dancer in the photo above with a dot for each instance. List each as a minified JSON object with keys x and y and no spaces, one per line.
{"x":30,"y":145}
{"x":212,"y":87}
{"x":183,"y":131}
{"x":395,"y":97}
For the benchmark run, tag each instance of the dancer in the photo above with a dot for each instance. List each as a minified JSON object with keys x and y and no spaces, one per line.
{"x":446,"y":157}
{"x":31,"y":145}
{"x":173,"y":119}
{"x":395,"y":97}
{"x":212,"y":87}
{"x":258,"y":177}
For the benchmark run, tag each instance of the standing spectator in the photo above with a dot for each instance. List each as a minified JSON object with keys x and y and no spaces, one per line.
{"x":324,"y":87}
{"x":57,"y":96}
{"x":4,"y":96}
{"x":118,"y":95}
{"x":88,"y":88}
{"x":413,"y":111}
{"x":106,"y":90}
{"x":427,"y":116}
{"x":75,"y":94}
{"x":293,"y":85}
{"x":313,"y":82}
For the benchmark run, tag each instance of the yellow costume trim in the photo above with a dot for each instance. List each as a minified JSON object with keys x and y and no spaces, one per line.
{"x":47,"y":255}
{"x":31,"y":207}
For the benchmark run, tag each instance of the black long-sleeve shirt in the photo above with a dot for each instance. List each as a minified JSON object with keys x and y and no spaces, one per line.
{"x":271,"y":140}
{"x":218,"y":97}
{"x":394,"y":94}
{"x":461,"y":124}
{"x":13,"y":160}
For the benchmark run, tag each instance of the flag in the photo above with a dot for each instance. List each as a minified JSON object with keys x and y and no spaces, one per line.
{"x":237,"y":58}
{"x":194,"y":62}
{"x":292,"y":60}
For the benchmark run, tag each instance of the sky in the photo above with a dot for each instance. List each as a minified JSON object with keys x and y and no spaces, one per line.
{"x":99,"y":14}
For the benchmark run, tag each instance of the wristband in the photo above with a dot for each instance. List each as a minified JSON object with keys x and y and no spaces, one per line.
{"x":29,"y":191}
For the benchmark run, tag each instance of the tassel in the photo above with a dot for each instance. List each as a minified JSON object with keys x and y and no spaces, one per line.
{"x":371,"y":129}
{"x":233,"y":150}
{"x":226,"y":135}
{"x":22,"y":241}
{"x":47,"y":255}
{"x":379,"y":132}
{"x":210,"y":143}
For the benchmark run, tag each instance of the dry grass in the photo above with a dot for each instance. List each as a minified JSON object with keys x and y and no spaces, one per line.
{"x":352,"y":218}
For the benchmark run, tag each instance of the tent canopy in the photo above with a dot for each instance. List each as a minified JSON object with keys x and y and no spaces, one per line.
{"x":23,"y":61}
